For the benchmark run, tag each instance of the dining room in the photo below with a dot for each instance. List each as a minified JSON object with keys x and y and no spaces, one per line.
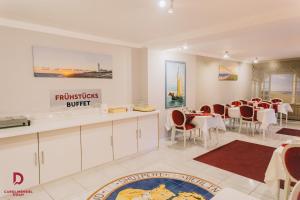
{"x":149,"y":100}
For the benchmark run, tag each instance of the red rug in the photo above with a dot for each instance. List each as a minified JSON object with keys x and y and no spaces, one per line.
{"x":289,"y":131}
{"x":243,"y":158}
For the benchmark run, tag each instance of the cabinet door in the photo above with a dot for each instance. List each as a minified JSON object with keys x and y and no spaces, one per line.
{"x":96,"y":143}
{"x":60,"y":153}
{"x":19,"y":155}
{"x":148,"y":132}
{"x":125,"y":137}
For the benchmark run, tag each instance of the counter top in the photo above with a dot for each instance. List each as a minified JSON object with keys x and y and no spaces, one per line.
{"x":54,"y":123}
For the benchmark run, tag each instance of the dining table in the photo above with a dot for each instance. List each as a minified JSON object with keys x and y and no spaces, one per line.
{"x":204,"y":122}
{"x":284,"y":109}
{"x":266,"y":117}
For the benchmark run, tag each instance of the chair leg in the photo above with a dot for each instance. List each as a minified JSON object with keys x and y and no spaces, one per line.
{"x":173,"y":135}
{"x":252,"y":130}
{"x":240,"y":128}
{"x":287,"y":185}
{"x":194,"y":131}
{"x":184,"y":139}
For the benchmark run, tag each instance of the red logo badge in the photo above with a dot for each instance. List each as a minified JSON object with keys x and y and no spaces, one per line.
{"x":18,"y":178}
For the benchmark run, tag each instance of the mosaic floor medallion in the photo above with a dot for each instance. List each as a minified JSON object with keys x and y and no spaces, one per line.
{"x":157,"y":186}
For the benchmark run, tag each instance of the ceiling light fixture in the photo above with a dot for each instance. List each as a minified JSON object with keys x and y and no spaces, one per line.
{"x":255,"y":60}
{"x":171,"y":9}
{"x":185,"y":47}
{"x":162,"y":3}
{"x":226,"y":55}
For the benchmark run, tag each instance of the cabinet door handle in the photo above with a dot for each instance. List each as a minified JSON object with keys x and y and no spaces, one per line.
{"x":111,"y":141}
{"x":43,"y":159}
{"x":35,"y":159}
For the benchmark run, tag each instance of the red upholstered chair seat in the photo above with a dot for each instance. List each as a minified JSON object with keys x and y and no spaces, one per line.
{"x":244,"y":102}
{"x":236,"y":103}
{"x":264,"y":105}
{"x":276,"y":100}
{"x":292,"y":161}
{"x":248,"y":113}
{"x":256,"y":99}
{"x":178,"y":118}
{"x":188,"y":126}
{"x":205,"y":109}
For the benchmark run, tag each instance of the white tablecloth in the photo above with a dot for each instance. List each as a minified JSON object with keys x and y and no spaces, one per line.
{"x":265,"y":116}
{"x":231,"y":194}
{"x":284,"y":108}
{"x":234,"y":112}
{"x":206,"y":122}
{"x":275,"y":171}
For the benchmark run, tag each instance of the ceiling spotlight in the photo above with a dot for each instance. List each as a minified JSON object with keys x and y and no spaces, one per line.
{"x":171,"y":9}
{"x":255,"y":60}
{"x":185,"y":47}
{"x":226,"y":55}
{"x":162,"y":3}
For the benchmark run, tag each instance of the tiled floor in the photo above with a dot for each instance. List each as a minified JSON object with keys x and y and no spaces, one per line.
{"x":173,"y":158}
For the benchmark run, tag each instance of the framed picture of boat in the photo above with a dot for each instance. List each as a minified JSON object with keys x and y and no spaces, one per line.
{"x":228,"y":73}
{"x":175,"y":84}
{"x":63,"y":63}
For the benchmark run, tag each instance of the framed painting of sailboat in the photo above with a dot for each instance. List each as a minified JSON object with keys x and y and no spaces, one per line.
{"x":175,"y":84}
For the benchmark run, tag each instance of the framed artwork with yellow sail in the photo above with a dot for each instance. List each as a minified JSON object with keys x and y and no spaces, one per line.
{"x":175,"y":84}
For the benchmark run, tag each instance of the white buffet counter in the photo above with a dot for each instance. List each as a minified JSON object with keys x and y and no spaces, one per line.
{"x":60,"y":145}
{"x":67,"y":120}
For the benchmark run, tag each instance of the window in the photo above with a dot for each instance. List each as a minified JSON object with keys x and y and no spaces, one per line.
{"x":282,"y":87}
{"x":266,"y":87}
{"x":297,"y":93}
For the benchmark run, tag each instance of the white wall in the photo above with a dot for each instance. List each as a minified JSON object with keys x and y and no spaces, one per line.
{"x":140,"y":76}
{"x":202,"y":84}
{"x":210,"y":90}
{"x":156,"y":80}
{"x":22,"y":92}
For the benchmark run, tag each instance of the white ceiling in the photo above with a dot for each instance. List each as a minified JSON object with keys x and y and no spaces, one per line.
{"x":267,"y":29}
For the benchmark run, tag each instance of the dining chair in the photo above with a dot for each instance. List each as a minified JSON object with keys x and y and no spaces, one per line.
{"x":248,"y":116}
{"x":291,"y":163}
{"x":221,"y":110}
{"x":182,"y":125}
{"x":257,"y":99}
{"x":244,"y":102}
{"x":276,"y":100}
{"x":205,"y":109}
{"x":236,"y":103}
{"x":295,"y":195}
{"x":264,"y":105}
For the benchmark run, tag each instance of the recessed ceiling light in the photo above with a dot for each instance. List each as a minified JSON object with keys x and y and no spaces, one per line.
{"x":226,"y":55}
{"x":162,"y":3}
{"x":185,"y":47}
{"x":255,"y":60}
{"x":171,"y":9}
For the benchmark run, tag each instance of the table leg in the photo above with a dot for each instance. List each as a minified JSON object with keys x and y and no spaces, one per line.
{"x":286,"y":119}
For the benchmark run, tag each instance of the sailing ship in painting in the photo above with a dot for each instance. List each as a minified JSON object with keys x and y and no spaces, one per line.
{"x":175,"y":85}
{"x":177,"y":96}
{"x":60,"y":63}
